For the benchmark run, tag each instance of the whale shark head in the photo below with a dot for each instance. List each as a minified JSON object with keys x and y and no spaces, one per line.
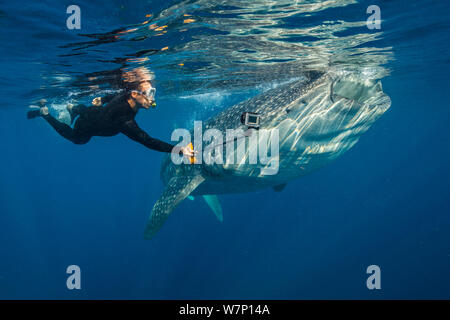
{"x":358,"y":90}
{"x":314,"y":120}
{"x":326,"y":120}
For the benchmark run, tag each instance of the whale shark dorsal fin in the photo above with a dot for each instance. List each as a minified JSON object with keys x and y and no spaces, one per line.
{"x":214,"y":205}
{"x":176,"y":191}
{"x":279,"y":188}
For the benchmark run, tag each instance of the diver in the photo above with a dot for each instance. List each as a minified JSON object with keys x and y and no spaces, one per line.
{"x":118,"y":116}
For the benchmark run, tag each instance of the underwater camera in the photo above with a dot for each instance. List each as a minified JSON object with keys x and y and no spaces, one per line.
{"x":251,"y":120}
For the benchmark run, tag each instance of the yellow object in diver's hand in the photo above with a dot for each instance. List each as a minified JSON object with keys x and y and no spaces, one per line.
{"x":192,"y":159}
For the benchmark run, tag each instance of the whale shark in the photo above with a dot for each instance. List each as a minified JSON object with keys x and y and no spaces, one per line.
{"x":316,"y":119}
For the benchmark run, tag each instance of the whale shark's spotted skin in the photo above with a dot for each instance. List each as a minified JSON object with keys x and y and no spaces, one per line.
{"x":318,"y":118}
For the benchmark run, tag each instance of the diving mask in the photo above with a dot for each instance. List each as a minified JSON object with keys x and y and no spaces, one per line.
{"x":149,"y":94}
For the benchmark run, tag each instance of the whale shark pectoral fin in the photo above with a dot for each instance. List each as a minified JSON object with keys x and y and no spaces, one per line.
{"x":279,"y":188}
{"x":214,"y":205}
{"x":176,"y":191}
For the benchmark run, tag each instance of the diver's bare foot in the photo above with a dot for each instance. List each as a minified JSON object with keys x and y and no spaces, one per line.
{"x":37,"y":111}
{"x":43,"y":111}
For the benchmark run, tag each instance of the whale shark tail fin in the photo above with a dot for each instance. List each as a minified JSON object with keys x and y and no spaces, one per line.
{"x":177,"y":190}
{"x":279,"y":188}
{"x":214,"y":205}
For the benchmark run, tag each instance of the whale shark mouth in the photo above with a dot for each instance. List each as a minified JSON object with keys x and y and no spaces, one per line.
{"x":356,"y":90}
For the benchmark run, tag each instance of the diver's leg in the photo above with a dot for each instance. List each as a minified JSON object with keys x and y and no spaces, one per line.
{"x":66,"y":131}
{"x":75,"y":111}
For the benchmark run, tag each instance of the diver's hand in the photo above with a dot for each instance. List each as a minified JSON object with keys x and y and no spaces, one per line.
{"x":188,"y":152}
{"x":97,"y":101}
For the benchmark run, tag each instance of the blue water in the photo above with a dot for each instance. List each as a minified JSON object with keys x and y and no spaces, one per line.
{"x":384,"y":202}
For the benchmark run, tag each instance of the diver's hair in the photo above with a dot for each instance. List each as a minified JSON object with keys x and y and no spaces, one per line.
{"x":133,"y":78}
{"x":130,"y":86}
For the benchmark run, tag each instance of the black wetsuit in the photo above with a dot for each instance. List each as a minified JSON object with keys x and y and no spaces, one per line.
{"x":116,"y":117}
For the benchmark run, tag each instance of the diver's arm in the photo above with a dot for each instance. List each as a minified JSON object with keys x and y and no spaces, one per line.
{"x":132,"y":131}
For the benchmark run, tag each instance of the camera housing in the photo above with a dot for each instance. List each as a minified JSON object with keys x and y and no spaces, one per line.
{"x":251,"y":119}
